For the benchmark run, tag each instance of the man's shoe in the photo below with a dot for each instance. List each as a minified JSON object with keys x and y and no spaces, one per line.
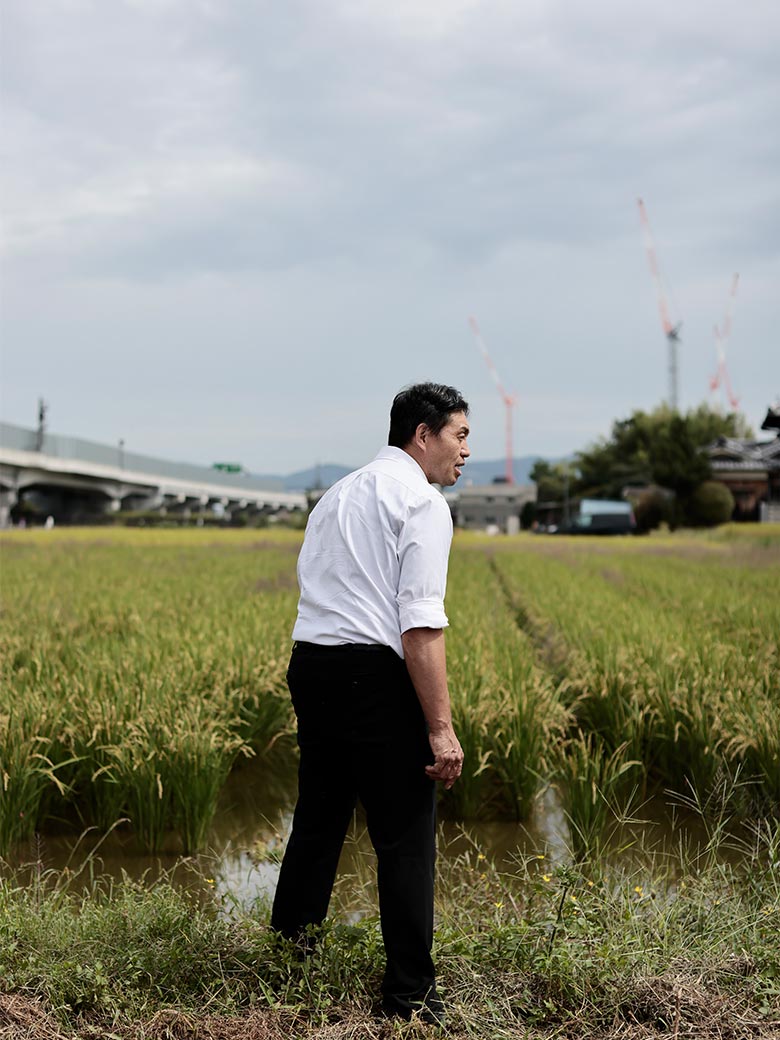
{"x":432,"y":1014}
{"x":430,"y":1011}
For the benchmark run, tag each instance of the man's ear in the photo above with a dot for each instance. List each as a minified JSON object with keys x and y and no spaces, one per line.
{"x":421,"y":433}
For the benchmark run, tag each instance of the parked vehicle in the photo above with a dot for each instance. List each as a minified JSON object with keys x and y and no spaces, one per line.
{"x":601,"y":516}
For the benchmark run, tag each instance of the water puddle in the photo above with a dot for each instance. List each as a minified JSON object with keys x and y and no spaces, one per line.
{"x":241,"y":863}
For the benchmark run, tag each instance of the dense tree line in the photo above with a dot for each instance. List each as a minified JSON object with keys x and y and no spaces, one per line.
{"x":660,"y":456}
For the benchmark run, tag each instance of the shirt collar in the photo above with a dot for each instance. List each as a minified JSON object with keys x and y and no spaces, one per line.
{"x":399,"y":455}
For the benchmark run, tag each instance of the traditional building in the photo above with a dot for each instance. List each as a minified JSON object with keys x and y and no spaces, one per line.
{"x":751,"y":471}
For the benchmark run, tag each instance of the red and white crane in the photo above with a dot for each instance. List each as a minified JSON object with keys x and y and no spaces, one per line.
{"x":671,"y":330}
{"x":722,"y":333}
{"x":509,"y":399}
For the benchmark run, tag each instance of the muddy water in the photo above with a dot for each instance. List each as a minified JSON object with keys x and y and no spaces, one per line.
{"x":240,"y":866}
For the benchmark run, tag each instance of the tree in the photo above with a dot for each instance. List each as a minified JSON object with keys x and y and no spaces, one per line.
{"x":550,"y":479}
{"x":706,"y":425}
{"x":660,"y":447}
{"x":527,"y":515}
{"x":676,"y":462}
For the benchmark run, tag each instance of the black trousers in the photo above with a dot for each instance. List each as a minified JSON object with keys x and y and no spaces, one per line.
{"x":362,"y":735}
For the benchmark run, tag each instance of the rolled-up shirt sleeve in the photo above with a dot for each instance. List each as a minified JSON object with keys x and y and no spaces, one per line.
{"x":423,"y":553}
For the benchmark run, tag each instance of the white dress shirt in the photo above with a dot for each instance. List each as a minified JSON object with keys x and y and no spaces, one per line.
{"x":374,"y":558}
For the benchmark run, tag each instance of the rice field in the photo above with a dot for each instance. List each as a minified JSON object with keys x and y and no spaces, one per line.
{"x":140,"y":667}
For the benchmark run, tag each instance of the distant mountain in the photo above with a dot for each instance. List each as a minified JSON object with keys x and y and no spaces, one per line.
{"x":479,"y":471}
{"x":316,"y":476}
{"x":475,"y":472}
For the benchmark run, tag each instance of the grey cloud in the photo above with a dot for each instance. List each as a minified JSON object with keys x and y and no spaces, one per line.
{"x":355,"y":164}
{"x":494,"y":143}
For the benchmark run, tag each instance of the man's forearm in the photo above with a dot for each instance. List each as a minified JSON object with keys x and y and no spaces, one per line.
{"x":426,"y":663}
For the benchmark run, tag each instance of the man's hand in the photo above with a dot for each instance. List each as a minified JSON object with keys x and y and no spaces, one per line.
{"x":449,"y":757}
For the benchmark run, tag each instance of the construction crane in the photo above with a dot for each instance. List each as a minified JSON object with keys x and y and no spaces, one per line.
{"x":722,"y":333}
{"x":671,"y":331}
{"x":509,"y":399}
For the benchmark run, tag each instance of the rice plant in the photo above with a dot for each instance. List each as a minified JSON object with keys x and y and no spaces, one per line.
{"x":531,"y":721}
{"x":138,"y":667}
{"x":27,"y":771}
{"x":592,"y":785}
{"x":145,"y":662}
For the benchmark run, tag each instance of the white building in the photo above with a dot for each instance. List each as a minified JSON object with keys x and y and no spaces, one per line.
{"x":492,"y":507}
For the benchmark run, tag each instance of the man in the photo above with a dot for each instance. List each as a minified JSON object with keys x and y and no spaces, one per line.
{"x":368,"y":681}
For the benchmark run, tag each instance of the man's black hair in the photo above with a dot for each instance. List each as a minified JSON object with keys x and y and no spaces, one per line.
{"x":429,"y":403}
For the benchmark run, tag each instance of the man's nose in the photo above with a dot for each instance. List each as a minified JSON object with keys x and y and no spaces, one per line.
{"x":464,"y":450}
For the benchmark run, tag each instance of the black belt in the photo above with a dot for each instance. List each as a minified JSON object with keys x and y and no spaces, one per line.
{"x":343,"y":648}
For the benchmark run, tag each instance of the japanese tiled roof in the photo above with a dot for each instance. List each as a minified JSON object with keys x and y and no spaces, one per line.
{"x":730,"y":453}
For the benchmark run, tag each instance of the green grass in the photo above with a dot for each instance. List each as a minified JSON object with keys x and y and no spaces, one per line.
{"x":534,"y":951}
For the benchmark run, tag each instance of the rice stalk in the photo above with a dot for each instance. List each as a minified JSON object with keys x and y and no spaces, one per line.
{"x":591,"y":783}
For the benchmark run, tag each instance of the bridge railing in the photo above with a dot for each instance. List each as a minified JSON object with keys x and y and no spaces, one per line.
{"x":20,"y":438}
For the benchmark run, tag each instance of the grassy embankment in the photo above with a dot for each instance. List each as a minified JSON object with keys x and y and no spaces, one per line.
{"x":138,"y":666}
{"x":537,"y":952}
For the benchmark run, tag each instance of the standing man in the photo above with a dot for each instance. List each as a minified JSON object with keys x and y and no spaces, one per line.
{"x":368,"y":681}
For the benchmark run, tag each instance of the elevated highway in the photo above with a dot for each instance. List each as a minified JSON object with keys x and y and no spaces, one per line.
{"x":73,"y":478}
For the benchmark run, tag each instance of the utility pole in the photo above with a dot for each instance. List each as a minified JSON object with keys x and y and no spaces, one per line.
{"x":509,"y":400}
{"x":671,"y":331}
{"x":41,"y":430}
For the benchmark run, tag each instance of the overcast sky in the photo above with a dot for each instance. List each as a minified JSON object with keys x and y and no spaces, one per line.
{"x":234,"y":229}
